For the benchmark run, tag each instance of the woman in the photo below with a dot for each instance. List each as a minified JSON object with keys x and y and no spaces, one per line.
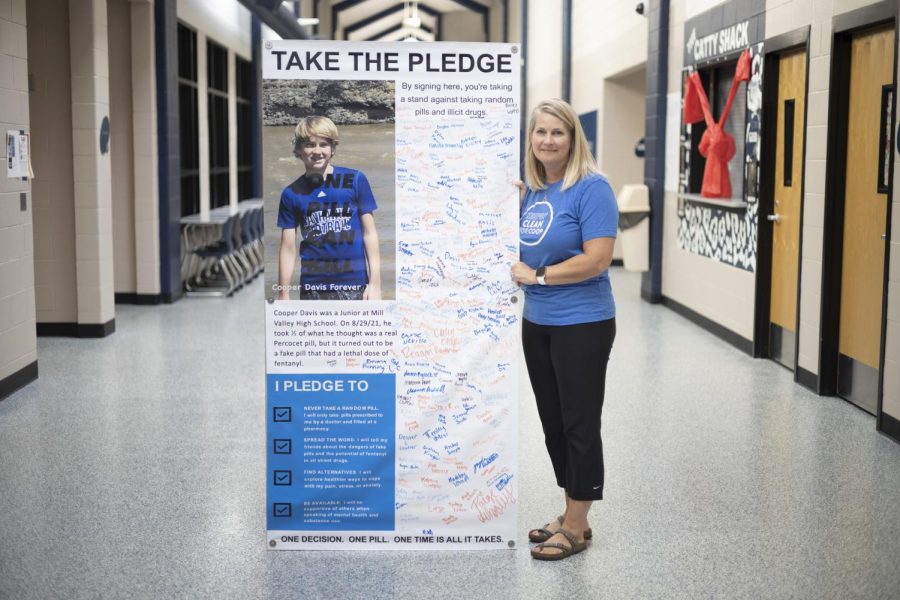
{"x":332,"y":206}
{"x":567,"y":231}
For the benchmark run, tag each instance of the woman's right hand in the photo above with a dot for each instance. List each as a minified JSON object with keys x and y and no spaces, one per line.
{"x":522,"y":274}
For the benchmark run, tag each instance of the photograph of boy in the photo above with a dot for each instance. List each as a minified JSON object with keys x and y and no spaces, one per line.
{"x":332,"y":208}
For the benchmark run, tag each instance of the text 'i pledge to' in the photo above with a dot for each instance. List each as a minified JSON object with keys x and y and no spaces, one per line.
{"x":447,"y":62}
{"x":328,"y":385}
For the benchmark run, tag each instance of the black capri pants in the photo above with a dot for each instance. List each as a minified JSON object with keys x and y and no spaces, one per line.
{"x":567,"y":368}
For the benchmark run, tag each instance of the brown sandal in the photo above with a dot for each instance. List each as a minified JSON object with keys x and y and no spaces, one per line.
{"x":564,"y":551}
{"x":542,"y":534}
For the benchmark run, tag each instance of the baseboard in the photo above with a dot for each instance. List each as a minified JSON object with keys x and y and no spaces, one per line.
{"x":18,"y":380}
{"x":721,"y":332}
{"x":77,"y":330}
{"x":889,"y":426}
{"x":808,"y":380}
{"x":139,"y":299}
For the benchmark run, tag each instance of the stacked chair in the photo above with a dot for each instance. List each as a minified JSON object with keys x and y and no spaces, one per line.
{"x":218,"y":262}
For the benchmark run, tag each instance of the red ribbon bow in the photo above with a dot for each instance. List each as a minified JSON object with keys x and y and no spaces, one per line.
{"x":716,"y":145}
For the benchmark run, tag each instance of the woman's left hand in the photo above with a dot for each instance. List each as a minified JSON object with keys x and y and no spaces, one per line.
{"x":522,"y":274}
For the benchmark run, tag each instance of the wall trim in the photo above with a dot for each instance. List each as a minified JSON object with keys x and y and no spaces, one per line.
{"x":866,"y":16}
{"x":792,"y":40}
{"x":773,"y":50}
{"x":720,"y":331}
{"x":807,"y":379}
{"x":77,"y":330}
{"x":140,"y":299}
{"x":13,"y":383}
{"x":843,"y":27}
{"x":889,"y":426}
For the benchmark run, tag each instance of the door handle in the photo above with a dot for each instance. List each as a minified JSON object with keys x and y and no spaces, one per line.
{"x":774,"y":218}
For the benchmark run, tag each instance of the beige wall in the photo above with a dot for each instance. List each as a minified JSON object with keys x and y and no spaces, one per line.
{"x":121,"y":145}
{"x":146,"y":174}
{"x":18,"y":345}
{"x":51,"y":141}
{"x":601,"y":52}
{"x":783,"y":16}
{"x":463,"y":26}
{"x":891,"y":397}
{"x":89,"y":64}
{"x":725,"y":294}
{"x":719,"y":292}
{"x":621,"y":126}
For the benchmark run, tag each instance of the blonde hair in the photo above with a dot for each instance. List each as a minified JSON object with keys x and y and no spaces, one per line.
{"x":581,"y":162}
{"x":315,"y":126}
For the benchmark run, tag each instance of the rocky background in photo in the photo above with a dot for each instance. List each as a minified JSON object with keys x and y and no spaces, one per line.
{"x":345,"y":102}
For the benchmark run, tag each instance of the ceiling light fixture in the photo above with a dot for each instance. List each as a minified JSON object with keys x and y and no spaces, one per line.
{"x":411,"y":18}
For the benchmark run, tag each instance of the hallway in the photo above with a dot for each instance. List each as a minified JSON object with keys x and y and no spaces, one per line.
{"x":134,"y":467}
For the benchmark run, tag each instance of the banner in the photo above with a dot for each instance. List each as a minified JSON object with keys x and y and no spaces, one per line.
{"x":391,"y":318}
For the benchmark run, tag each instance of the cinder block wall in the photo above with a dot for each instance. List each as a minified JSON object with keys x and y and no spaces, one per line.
{"x":18,"y":343}
{"x":51,"y":141}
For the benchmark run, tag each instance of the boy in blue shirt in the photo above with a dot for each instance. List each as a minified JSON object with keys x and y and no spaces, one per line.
{"x":332,"y":208}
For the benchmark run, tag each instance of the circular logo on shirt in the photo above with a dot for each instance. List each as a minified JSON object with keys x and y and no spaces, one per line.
{"x":535,"y":223}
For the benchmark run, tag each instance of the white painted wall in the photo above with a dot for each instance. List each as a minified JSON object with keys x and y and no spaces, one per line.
{"x":544,"y":56}
{"x":607,"y":67}
{"x":693,"y":8}
{"x":18,"y":343}
{"x":227,"y":22}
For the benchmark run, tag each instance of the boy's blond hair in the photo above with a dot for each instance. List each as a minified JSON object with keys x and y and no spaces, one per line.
{"x":315,"y":126}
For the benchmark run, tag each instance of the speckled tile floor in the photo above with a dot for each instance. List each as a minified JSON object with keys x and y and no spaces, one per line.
{"x":134,"y":468}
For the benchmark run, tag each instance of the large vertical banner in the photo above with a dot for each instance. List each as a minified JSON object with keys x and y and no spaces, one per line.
{"x":391,"y":329}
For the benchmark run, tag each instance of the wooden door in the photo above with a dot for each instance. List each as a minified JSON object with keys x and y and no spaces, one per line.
{"x":865,"y":221}
{"x":787,"y":206}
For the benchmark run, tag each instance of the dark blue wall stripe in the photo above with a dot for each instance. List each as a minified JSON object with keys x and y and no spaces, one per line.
{"x":567,"y":51}
{"x":166,"y":30}
{"x":655,"y":140}
{"x":256,"y":107}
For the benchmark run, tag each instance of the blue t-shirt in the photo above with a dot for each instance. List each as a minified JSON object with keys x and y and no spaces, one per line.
{"x":332,"y":252}
{"x":553,"y":227}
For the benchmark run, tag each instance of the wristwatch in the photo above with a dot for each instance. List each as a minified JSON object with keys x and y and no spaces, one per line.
{"x":540,"y":273}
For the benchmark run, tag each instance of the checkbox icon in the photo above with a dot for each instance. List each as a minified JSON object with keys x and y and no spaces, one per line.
{"x":281,"y":414}
{"x":282,"y":478}
{"x":282,"y":446}
{"x":281,"y":509}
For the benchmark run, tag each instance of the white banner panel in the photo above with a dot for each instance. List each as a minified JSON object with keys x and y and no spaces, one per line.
{"x":392,"y":421}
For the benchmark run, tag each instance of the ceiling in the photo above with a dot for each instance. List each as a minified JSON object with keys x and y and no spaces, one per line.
{"x":364,"y":20}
